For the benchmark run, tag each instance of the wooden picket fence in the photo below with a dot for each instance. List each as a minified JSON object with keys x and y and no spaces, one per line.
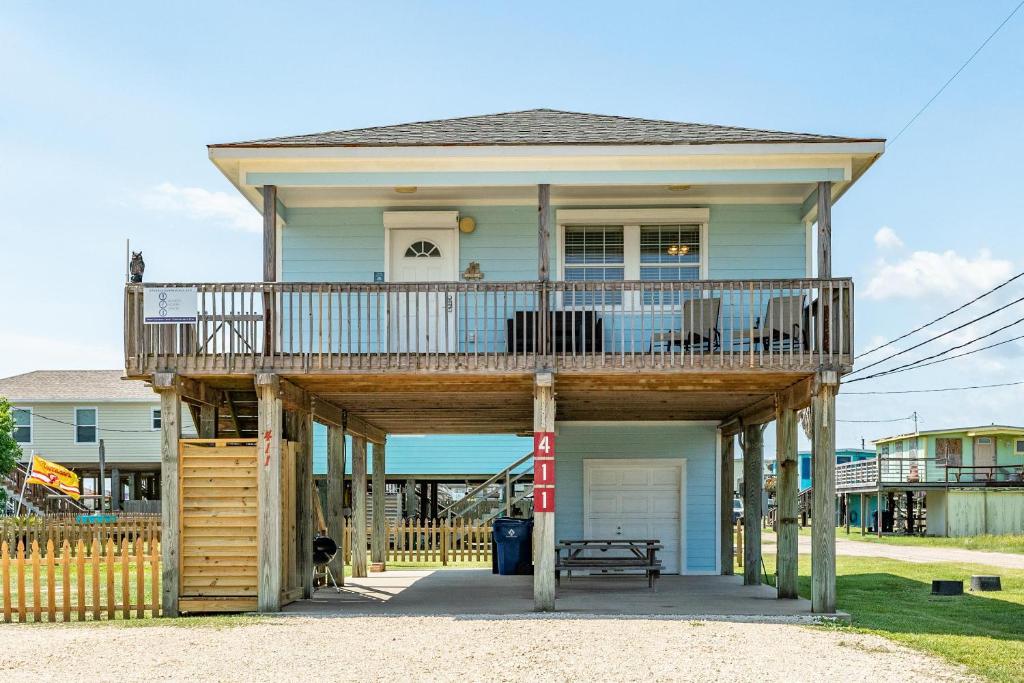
{"x":414,"y":540}
{"x":80,"y":582}
{"x":67,"y":528}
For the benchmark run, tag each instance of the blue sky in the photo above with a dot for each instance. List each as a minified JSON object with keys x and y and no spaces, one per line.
{"x":105,"y":112}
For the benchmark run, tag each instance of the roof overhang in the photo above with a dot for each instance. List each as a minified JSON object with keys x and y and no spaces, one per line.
{"x":322,"y":175}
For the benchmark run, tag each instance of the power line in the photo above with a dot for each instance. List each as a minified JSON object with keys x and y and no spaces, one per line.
{"x":922,"y":364}
{"x":938,"y":336}
{"x":930,"y":391}
{"x":953,"y":77}
{"x":912,"y":365}
{"x":941,"y":317}
{"x":898,"y":419}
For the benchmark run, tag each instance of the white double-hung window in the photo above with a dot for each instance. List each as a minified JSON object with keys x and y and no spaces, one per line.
{"x":649,"y":245}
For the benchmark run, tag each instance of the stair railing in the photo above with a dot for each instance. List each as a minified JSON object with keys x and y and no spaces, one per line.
{"x":508,"y":478}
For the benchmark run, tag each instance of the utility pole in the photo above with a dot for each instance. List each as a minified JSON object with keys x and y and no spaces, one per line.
{"x":915,"y":422}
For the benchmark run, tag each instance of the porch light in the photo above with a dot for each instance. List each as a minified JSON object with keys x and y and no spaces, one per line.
{"x":679,"y":188}
{"x":406,"y":189}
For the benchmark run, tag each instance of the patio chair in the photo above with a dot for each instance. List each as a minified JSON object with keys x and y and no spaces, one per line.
{"x":783,"y":323}
{"x":701,"y":326}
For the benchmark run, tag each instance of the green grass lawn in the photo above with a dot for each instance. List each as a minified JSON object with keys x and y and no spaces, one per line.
{"x":983,"y":631}
{"x":1006,"y":543}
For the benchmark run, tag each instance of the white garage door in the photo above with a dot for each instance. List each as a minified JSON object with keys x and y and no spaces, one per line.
{"x":636,"y":499}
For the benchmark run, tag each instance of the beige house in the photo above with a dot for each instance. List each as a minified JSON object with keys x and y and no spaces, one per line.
{"x":64,"y":415}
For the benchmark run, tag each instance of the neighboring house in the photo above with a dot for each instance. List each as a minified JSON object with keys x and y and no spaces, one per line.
{"x":970,"y":480}
{"x":62,"y":415}
{"x":426,"y":474}
{"x":645,"y":290}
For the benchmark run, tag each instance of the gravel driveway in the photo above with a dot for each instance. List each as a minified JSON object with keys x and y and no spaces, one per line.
{"x":467,"y":648}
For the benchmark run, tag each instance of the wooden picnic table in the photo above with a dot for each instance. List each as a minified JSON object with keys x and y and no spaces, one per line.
{"x":636,"y":554}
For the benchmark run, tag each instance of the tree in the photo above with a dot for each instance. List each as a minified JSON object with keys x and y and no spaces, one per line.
{"x":10,"y":451}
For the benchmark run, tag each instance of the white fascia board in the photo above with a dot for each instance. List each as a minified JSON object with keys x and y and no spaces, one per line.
{"x":765,"y":149}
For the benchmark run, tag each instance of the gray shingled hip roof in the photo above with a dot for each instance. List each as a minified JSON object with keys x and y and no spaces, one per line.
{"x":542,"y":127}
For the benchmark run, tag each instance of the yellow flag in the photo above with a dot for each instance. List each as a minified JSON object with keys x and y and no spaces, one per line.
{"x":55,"y":476}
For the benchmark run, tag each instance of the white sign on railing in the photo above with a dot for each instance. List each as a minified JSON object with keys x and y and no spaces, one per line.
{"x":169,"y":305}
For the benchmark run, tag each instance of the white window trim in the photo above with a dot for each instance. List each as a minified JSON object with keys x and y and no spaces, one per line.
{"x":631,"y":220}
{"x":152,"y":417}
{"x":97,"y":425}
{"x":31,"y":424}
{"x":421,"y":220}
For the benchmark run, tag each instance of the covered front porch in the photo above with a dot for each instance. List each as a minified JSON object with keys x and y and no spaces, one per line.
{"x":477,"y":592}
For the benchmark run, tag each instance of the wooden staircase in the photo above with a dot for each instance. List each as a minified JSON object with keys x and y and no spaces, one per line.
{"x":237,"y":415}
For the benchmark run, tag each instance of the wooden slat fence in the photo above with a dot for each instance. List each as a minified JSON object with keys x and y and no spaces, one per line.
{"x":413,"y":541}
{"x":61,"y":528}
{"x":81,"y":582}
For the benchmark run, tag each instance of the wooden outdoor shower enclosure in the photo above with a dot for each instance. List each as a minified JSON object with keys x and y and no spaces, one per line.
{"x":218,"y":517}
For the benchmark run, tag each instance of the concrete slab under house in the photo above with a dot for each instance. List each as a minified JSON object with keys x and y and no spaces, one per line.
{"x":634,"y":293}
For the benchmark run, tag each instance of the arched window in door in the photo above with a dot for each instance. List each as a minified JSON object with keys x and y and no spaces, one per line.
{"x":422,"y":249}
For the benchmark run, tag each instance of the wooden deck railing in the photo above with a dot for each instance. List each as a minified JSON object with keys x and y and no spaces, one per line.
{"x":928,"y":472}
{"x":326,"y":327}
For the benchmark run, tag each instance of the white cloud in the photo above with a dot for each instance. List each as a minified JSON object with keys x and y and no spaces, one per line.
{"x":929,"y":273}
{"x":199,"y":204}
{"x":886,"y":238}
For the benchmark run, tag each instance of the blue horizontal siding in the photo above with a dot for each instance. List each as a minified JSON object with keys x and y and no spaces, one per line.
{"x":479,"y":455}
{"x":697,"y":443}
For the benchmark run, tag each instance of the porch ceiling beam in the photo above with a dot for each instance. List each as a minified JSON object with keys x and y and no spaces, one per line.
{"x":296,"y":398}
{"x":526,"y":178}
{"x":192,"y":391}
{"x":795,"y":397}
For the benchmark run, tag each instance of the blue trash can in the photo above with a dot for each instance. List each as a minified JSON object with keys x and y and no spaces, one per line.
{"x":512,"y":540}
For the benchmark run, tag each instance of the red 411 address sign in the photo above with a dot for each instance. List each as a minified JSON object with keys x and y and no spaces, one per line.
{"x":544,"y":472}
{"x":544,"y":500}
{"x":543,"y":444}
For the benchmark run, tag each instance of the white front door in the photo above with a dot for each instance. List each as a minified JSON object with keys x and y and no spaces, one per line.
{"x":422,"y":321}
{"x":637,"y":500}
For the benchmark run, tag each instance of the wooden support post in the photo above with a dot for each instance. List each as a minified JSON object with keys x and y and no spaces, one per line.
{"x":910,"y":512}
{"x":170,"y":433}
{"x":379,"y":538}
{"x":304,"y":500}
{"x":863,"y":517}
{"x":433,"y":500}
{"x":269,"y":233}
{"x":846,"y":512}
{"x":544,"y":522}
{"x":269,"y":263}
{"x":115,"y":489}
{"x":878,"y":514}
{"x":358,"y":507}
{"x":753,"y":476}
{"x":207,"y":426}
{"x":824,"y":229}
{"x":336,"y":497}
{"x":823,"y":482}
{"x":787,"y":492}
{"x":410,"y":499}
{"x":268,"y":480}
{"x":424,"y":499}
{"x":543,"y":232}
{"x":725,"y":512}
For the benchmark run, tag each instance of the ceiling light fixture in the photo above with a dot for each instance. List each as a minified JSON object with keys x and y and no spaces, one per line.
{"x":679,"y":188}
{"x":406,"y":189}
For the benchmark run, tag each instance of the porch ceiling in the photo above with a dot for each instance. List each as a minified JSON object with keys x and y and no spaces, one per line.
{"x":440,"y":403}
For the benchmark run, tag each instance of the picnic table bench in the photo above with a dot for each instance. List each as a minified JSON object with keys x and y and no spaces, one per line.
{"x":612,"y":555}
